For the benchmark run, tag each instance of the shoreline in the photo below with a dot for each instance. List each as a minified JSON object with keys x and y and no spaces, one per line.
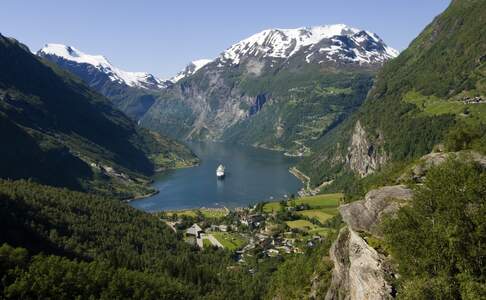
{"x":141,"y":197}
{"x":305,"y":190}
{"x":217,"y":209}
{"x":155,"y":192}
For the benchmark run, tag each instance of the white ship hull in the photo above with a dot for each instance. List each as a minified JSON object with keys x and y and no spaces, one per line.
{"x":220,"y":172}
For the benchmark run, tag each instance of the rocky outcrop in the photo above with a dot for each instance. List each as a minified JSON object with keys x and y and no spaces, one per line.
{"x":365,"y":215}
{"x":360,"y":272}
{"x":364,"y":156}
{"x":419,"y":170}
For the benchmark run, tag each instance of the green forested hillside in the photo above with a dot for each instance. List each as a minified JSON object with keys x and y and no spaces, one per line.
{"x":438,"y":240}
{"x":302,"y":106}
{"x":418,"y":98}
{"x":99,"y":247}
{"x":58,"y":132}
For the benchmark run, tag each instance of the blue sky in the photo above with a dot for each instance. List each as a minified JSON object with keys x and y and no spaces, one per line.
{"x":161,"y":37}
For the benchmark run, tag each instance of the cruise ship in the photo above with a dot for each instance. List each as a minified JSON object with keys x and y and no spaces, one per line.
{"x":220,"y":171}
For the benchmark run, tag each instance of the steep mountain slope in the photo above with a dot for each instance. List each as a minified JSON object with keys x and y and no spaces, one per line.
{"x":59,"y":132}
{"x":132,"y":92}
{"x":249,"y":91}
{"x":424,"y":97}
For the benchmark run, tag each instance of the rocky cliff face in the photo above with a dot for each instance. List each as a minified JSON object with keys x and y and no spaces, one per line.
{"x":207,"y":105}
{"x":365,"y":156}
{"x":360,"y":272}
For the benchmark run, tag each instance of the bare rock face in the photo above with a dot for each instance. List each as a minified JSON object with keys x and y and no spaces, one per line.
{"x":359,"y":271}
{"x":366,"y":214}
{"x":363,"y":156}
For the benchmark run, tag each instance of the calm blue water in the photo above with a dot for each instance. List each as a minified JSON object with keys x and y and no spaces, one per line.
{"x":252,"y":175}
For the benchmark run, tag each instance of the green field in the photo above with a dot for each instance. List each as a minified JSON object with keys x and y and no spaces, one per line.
{"x":432,"y":105}
{"x":319,"y":214}
{"x":321,"y":201}
{"x":207,"y":243}
{"x":271,"y":207}
{"x":230,"y":241}
{"x":328,"y":201}
{"x":302,"y":225}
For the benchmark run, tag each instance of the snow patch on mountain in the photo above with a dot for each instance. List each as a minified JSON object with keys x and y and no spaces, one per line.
{"x":366,"y":46}
{"x":191,"y":69}
{"x":133,"y":79}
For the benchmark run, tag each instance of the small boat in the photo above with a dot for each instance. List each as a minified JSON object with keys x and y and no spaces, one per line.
{"x":220,"y":171}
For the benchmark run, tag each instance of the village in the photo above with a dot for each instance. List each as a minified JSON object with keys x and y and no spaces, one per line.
{"x":268,"y":229}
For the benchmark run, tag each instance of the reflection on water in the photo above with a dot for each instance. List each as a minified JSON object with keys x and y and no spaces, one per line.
{"x":252,"y":175}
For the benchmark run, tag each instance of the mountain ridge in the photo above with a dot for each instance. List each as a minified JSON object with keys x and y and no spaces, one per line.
{"x":64,"y":134}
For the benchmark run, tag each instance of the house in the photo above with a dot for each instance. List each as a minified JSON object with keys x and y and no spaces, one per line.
{"x":194,"y":230}
{"x":252,"y":220}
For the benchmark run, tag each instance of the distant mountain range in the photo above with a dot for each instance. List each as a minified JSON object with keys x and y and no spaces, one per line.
{"x":279,"y":89}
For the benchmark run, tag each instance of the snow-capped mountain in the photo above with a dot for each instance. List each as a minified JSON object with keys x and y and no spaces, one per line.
{"x":131,"y":79}
{"x":190,"y":69}
{"x":338,"y":43}
{"x":248,"y":87}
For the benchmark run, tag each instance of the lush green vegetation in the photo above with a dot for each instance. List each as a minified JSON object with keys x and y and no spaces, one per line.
{"x":438,"y":241}
{"x":301,"y":224}
{"x":415,"y":101}
{"x":330,"y":201}
{"x":310,"y":215}
{"x":291,"y":280}
{"x":230,"y":241}
{"x":320,"y":214}
{"x":302,"y":109}
{"x":96,"y":246}
{"x":63,"y":134}
{"x":321,"y":201}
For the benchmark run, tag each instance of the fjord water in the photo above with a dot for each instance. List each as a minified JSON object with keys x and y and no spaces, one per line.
{"x":252,"y":175}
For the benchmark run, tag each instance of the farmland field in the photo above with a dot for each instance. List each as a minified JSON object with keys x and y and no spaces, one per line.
{"x":325,"y":201}
{"x":301,"y":224}
{"x":319,"y":214}
{"x":320,"y":201}
{"x":230,"y":241}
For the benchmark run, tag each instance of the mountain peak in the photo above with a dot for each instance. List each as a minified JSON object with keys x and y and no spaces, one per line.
{"x":190,"y":69}
{"x":132,"y":79}
{"x":284,"y":43}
